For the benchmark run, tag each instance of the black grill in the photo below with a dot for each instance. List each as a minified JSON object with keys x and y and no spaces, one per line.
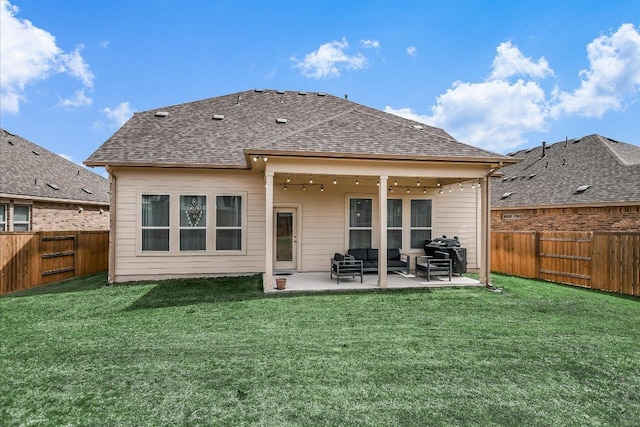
{"x":452,"y":247}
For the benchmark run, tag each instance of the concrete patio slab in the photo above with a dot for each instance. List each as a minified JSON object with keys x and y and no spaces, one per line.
{"x":321,"y":282}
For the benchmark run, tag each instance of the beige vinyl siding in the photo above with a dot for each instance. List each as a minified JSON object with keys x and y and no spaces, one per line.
{"x":324,"y":230}
{"x":131,"y":263}
{"x":455,"y":214}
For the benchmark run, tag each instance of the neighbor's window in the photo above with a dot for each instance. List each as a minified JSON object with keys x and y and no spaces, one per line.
{"x":21,"y":218}
{"x":155,"y":222}
{"x":394,"y":223}
{"x":229,"y":223}
{"x":193,"y":223}
{"x":360,"y":223}
{"x":420,"y":222}
{"x":3,"y":217}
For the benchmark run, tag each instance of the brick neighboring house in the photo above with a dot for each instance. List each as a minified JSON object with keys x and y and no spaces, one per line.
{"x":588,"y":183}
{"x":42,"y":191}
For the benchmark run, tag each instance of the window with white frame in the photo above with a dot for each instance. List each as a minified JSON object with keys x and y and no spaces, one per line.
{"x":193,"y":223}
{"x":360,"y":223}
{"x":3,"y":217}
{"x":229,"y":216}
{"x":421,"y":224}
{"x":394,"y":223}
{"x":155,"y":222}
{"x":21,"y":217}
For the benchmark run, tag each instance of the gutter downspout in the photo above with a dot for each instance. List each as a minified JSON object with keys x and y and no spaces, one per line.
{"x":113,"y":186}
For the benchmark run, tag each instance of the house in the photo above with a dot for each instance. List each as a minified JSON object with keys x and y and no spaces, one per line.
{"x":270,"y":180}
{"x":588,"y":183}
{"x":42,"y":191}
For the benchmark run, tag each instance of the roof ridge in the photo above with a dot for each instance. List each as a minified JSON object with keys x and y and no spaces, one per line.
{"x":621,"y":160}
{"x":313,"y":125}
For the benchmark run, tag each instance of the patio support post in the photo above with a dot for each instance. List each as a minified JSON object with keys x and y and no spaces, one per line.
{"x":268,"y":267}
{"x":485,"y":247}
{"x":382,"y":251}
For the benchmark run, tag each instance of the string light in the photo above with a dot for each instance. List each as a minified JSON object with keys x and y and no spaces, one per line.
{"x":288,"y":179}
{"x":418,"y":182}
{"x":321,"y":187}
{"x":310,"y":179}
{"x":357,"y":181}
{"x":408,"y":190}
{"x":395,"y":182}
{"x":304,"y":187}
{"x":334,"y":180}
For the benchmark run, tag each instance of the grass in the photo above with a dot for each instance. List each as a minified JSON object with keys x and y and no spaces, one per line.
{"x":219,"y":352}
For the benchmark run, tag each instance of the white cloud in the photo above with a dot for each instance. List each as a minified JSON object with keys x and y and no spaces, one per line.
{"x":329,"y":59}
{"x":370,"y":44}
{"x":29,"y":54}
{"x":613,"y":76}
{"x":78,"y":99}
{"x":119,"y":115}
{"x":498,"y":113}
{"x":412,"y":51}
{"x":511,"y":62}
{"x":74,"y":64}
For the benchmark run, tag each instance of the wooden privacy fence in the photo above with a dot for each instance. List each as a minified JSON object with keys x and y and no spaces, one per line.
{"x":33,"y":259}
{"x":608,"y":261}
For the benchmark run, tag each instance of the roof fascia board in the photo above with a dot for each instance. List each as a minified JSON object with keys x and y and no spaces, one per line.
{"x":164,"y":165}
{"x":581,"y":205}
{"x":51,"y":200}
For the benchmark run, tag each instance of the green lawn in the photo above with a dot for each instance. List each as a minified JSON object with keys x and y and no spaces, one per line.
{"x":219,"y":352}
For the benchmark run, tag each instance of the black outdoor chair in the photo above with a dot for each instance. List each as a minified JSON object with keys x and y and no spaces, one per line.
{"x":345,"y":266}
{"x":438,"y":265}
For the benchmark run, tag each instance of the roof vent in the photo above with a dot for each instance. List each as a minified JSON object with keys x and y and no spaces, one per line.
{"x":532,"y":175}
{"x":507,"y":194}
{"x":55,"y":187}
{"x":419,"y":127}
{"x":10,"y":142}
{"x":280,"y":92}
{"x":575,"y":141}
{"x":281,"y":120}
{"x":582,"y":189}
{"x":302,"y":93}
{"x":528,"y":150}
{"x":37,"y":153}
{"x":505,"y":179}
{"x":162,"y":114}
{"x":259,"y":90}
{"x":86,"y":190}
{"x":322,"y":94}
{"x":218,"y":117}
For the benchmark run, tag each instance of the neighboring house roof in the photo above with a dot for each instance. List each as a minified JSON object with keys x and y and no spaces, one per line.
{"x":30,"y":171}
{"x":220,"y":131}
{"x":589,"y":170}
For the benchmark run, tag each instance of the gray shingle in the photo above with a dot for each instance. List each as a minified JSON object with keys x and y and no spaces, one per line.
{"x":25,"y":173}
{"x":317,"y":124}
{"x":611,"y":168}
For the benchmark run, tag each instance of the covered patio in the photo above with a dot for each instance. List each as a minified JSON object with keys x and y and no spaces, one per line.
{"x":319,"y":281}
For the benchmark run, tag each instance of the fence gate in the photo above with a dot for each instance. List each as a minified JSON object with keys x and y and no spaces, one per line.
{"x":565,"y":257}
{"x":58,"y":255}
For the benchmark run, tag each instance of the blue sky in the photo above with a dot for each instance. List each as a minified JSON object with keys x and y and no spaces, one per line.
{"x":500,"y":75}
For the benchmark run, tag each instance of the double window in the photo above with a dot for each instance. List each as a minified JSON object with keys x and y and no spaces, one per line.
{"x":408,"y":221}
{"x":189,"y":216}
{"x":3,"y":217}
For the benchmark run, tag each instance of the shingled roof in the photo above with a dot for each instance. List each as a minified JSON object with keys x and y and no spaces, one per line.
{"x":589,"y":170}
{"x":28,"y":170}
{"x":216,"y":132}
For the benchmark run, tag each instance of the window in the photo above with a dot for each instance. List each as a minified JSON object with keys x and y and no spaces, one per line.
{"x":193,"y":223}
{"x":229,"y":223}
{"x":360,"y":223}
{"x":394,"y":223}
{"x":21,"y":218}
{"x":3,"y":217}
{"x":420,"y":222}
{"x":155,"y":223}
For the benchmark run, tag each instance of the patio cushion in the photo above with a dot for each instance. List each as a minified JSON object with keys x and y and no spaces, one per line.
{"x":338,"y":257}
{"x":393,"y":254}
{"x":395,"y":263}
{"x":359,"y":254}
{"x":372,"y":255}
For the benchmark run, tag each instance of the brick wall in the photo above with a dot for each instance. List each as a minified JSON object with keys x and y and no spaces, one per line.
{"x":613,"y":218}
{"x":63,"y":217}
